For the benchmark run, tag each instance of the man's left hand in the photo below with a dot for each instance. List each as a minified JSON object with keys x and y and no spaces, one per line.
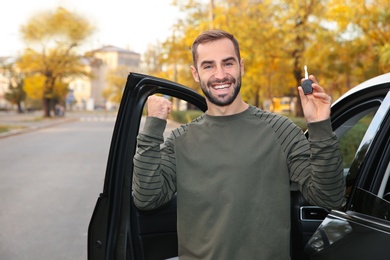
{"x":316,"y":106}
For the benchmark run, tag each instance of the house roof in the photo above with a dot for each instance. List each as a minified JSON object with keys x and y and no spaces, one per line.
{"x":111,"y":48}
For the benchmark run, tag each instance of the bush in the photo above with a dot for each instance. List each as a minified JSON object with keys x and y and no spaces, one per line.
{"x":189,"y":115}
{"x":183,"y":117}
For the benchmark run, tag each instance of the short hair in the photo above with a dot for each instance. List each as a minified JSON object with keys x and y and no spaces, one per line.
{"x":210,"y":36}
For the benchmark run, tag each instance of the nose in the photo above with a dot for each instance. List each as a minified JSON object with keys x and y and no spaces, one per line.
{"x":220,"y":72}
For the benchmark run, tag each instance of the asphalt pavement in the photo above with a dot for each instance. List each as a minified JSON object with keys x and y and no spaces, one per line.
{"x":27,"y":122}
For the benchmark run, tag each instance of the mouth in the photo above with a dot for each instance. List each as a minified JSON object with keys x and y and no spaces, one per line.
{"x":221,"y":86}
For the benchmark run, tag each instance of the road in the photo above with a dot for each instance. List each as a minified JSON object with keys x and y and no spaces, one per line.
{"x":50,"y":180}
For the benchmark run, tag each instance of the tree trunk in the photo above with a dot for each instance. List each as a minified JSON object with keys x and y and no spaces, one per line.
{"x":298,"y":105}
{"x":297,"y":71}
{"x":46,"y":104}
{"x":20,"y":109}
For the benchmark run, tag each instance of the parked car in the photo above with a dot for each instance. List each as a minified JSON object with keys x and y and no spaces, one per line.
{"x":358,"y":230}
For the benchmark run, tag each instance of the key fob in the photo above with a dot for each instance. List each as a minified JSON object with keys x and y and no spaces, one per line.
{"x":306,"y":86}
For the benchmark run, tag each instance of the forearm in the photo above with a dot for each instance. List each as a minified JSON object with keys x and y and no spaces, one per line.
{"x":153,"y":176}
{"x":328,"y":185}
{"x":323,"y":181}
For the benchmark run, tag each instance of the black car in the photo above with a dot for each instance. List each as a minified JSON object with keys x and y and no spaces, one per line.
{"x":358,"y":230}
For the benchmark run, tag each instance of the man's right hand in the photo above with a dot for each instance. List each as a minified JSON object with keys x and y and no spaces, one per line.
{"x":159,"y":107}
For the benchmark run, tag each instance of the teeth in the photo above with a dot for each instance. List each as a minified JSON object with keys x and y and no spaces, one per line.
{"x":222,"y":86}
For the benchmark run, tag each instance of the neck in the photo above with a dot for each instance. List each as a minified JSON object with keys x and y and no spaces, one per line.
{"x":236,"y":107}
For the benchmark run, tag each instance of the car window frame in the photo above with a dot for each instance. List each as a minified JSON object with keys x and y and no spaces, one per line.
{"x":109,"y":228}
{"x":365,"y":165}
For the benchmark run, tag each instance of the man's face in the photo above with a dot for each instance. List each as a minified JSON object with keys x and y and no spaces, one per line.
{"x":218,"y":71}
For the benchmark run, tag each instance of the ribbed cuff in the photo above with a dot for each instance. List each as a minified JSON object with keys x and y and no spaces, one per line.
{"x":154,"y":126}
{"x":320,"y":130}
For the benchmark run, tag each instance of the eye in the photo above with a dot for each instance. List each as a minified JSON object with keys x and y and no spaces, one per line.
{"x":207,"y":66}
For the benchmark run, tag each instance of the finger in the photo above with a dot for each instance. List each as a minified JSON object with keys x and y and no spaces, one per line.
{"x":313,"y":79}
{"x":325,"y":98}
{"x":301,"y":94}
{"x":318,"y":88}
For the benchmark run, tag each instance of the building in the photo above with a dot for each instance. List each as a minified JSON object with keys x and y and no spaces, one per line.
{"x":86,"y":93}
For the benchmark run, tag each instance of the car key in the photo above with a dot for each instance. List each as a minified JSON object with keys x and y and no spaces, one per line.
{"x":306,"y":85}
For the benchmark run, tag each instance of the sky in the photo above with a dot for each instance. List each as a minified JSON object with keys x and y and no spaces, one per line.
{"x":129,"y":24}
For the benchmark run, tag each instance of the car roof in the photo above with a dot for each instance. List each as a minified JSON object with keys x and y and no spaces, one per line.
{"x":368,"y":86}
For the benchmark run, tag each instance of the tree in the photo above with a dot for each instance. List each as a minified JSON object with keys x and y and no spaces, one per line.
{"x":366,"y":23}
{"x":342,"y":42}
{"x":15,"y":93}
{"x":299,"y":22}
{"x":51,"y":60}
{"x":116,"y":79}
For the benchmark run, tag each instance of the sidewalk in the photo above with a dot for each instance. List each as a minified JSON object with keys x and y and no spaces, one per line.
{"x":27,"y":122}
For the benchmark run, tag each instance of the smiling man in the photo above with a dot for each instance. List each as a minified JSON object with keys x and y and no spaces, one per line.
{"x":232,"y":167}
{"x":221,"y":76}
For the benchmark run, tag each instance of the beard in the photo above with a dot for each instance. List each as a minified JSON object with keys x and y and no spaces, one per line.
{"x":225,"y":99}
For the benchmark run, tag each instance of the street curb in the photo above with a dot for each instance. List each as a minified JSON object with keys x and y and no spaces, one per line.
{"x":36,"y":127}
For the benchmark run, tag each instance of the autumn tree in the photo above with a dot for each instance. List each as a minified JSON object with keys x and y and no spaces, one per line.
{"x":268,"y":71}
{"x":51,"y":59}
{"x":266,"y":67}
{"x":15,"y":93}
{"x":342,"y":42}
{"x":367,"y":25}
{"x":116,"y":79}
{"x":175,"y":52}
{"x":151,"y":57}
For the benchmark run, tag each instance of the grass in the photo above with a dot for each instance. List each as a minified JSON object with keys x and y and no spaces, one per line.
{"x":7,"y":128}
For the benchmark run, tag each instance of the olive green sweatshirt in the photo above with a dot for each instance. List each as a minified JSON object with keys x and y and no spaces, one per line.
{"x":232,"y":176}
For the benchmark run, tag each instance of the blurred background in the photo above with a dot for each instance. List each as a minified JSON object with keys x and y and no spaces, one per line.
{"x":64,"y":65}
{"x":64,"y":55}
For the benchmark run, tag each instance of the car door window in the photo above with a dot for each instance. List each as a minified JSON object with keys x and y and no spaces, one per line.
{"x":356,"y":129}
{"x":369,"y":204}
{"x":182,"y":112}
{"x":351,"y":133}
{"x":371,"y":195}
{"x":351,"y":139}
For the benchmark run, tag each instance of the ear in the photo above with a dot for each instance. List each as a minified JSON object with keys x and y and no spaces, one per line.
{"x":195,"y":74}
{"x":242,"y":67}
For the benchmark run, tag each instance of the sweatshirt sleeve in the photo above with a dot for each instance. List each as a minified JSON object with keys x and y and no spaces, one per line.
{"x":316,"y":166}
{"x":154,"y":174}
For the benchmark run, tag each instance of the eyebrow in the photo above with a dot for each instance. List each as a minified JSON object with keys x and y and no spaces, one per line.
{"x":211,"y":61}
{"x":229,"y":59}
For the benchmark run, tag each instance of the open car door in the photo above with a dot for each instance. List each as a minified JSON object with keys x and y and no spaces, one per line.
{"x":361,"y":230}
{"x":118,"y":230}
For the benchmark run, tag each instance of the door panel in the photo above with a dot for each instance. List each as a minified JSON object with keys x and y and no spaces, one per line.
{"x":156,"y":232}
{"x":302,"y":228}
{"x":350,"y":236}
